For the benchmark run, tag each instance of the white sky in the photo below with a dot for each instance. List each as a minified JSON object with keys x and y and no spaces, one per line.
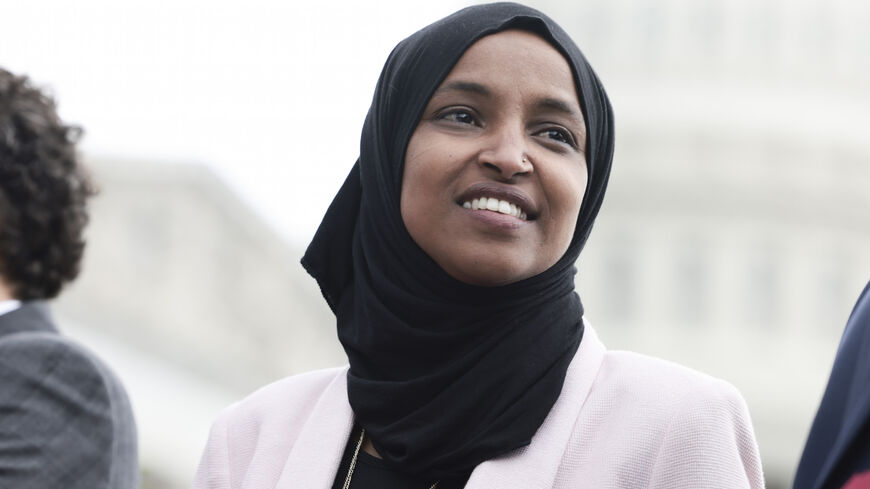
{"x":271,"y":94}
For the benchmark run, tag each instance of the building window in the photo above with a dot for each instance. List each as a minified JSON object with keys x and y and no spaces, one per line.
{"x":691,"y":279}
{"x":762,"y":286}
{"x":619,"y":281}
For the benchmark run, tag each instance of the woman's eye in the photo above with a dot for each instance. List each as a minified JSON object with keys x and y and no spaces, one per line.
{"x":459,"y":116}
{"x":559,"y":135}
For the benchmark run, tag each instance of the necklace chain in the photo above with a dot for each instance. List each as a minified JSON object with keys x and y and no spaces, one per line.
{"x":362,"y":436}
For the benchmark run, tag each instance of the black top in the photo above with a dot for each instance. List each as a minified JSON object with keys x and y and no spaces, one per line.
{"x":372,"y":473}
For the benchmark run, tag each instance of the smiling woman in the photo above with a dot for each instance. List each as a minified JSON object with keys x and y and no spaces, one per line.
{"x":448,"y":259}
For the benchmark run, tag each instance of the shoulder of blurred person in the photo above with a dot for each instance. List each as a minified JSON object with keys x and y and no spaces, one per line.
{"x":837,"y":451}
{"x":621,"y":418}
{"x":66,"y":422}
{"x":65,"y":419}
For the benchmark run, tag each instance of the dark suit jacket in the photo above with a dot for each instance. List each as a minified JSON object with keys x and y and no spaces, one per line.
{"x":65,"y":420}
{"x":839,"y":442}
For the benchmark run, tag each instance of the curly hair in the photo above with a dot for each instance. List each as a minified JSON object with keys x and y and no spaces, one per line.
{"x":43,"y":192}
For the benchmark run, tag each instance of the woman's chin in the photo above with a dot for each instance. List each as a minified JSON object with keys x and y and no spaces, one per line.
{"x":490,"y":271}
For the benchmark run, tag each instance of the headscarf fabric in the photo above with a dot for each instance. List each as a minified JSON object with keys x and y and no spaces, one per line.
{"x":443,"y":374}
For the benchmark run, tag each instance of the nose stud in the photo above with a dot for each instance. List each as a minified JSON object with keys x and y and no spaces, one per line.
{"x":525,"y":160}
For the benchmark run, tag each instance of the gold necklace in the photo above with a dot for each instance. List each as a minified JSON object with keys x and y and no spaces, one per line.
{"x":359,"y":443}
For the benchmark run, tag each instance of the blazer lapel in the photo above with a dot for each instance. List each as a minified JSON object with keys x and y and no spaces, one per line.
{"x":316,"y":454}
{"x":535,"y":466}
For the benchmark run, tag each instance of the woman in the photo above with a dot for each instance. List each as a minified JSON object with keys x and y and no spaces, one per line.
{"x":448,"y":259}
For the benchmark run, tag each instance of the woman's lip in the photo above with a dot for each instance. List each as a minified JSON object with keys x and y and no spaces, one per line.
{"x":501,"y":192}
{"x":495,"y":220}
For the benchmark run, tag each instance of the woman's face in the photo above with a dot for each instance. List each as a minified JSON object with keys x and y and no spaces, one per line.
{"x":504,"y":126}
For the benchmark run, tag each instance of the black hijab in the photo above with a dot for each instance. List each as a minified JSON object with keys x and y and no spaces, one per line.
{"x":443,"y":374}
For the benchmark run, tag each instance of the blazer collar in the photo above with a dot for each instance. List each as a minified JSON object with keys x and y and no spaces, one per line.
{"x":31,"y":316}
{"x":316,"y":454}
{"x":9,"y":305}
{"x":314,"y":459}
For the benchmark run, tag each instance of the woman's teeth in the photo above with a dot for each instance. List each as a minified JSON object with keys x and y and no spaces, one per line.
{"x":495,"y":205}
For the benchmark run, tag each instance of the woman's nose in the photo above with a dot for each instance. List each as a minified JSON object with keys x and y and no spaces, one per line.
{"x":505,"y":154}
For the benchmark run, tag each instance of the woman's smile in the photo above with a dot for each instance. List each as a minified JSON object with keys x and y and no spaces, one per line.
{"x":503,"y":199}
{"x":496,"y":169}
{"x":494,"y":204}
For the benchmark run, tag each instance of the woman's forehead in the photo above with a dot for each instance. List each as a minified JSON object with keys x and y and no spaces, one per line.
{"x":511,"y":61}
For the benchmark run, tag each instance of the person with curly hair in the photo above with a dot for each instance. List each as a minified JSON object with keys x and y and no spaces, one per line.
{"x":65,"y":419}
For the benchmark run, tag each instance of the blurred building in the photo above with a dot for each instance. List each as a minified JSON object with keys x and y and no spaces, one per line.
{"x":735,"y":234}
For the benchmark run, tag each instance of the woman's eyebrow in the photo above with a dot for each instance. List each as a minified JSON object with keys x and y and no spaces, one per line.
{"x":463,"y":86}
{"x":562,"y":106}
{"x":545,"y":103}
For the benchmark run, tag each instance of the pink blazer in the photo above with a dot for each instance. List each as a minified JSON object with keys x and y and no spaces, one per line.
{"x":623,"y":420}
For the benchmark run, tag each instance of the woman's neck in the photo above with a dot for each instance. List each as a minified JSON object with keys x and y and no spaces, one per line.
{"x":369,"y":448}
{"x":5,"y":291}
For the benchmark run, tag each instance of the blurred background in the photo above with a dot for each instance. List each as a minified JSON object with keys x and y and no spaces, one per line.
{"x":733,"y":239}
